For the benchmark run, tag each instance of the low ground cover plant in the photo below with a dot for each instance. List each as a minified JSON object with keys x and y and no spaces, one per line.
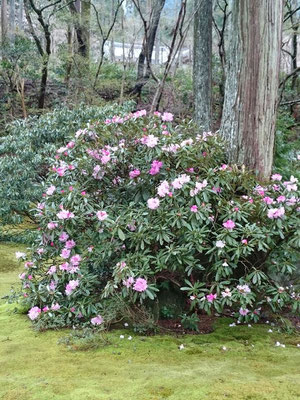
{"x":137,"y":202}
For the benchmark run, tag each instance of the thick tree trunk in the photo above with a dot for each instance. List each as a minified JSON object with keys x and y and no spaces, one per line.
{"x":4,"y":24}
{"x":202,"y":67}
{"x":251,"y":91}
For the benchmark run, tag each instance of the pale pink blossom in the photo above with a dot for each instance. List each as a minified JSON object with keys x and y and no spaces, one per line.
{"x":52,"y":225}
{"x":134,"y":174}
{"x":97,"y":320}
{"x":65,"y":214}
{"x":63,"y":237}
{"x":243,"y":289}
{"x":275,"y":213}
{"x":167,"y":117}
{"x":226,"y":293}
{"x":276,"y":177}
{"x":70,"y":244}
{"x":34,"y":312}
{"x":150,"y":141}
{"x":70,"y":145}
{"x":281,"y":199}
{"x":128,"y":282}
{"x":140,"y":285}
{"x":55,"y":307}
{"x":268,"y":200}
{"x":243,"y":311}
{"x":72,"y":285}
{"x":101,"y":215}
{"x":153,"y":203}
{"x":194,"y":208}
{"x":75,"y":260}
{"x":229,"y":224}
{"x":50,"y":190}
{"x":51,"y":270}
{"x":65,"y":253}
{"x":163,"y":189}
{"x":245,"y":241}
{"x":46,"y":308}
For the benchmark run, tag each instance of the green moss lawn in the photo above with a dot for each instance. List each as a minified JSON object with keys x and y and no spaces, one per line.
{"x":34,"y":367}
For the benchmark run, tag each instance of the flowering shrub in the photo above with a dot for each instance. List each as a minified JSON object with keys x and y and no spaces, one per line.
{"x":136,"y":201}
{"x":24,"y":152}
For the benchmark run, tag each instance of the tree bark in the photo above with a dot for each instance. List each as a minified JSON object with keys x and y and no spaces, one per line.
{"x":4,"y":24}
{"x":202,"y":65}
{"x":20,"y":15}
{"x":251,"y":90}
{"x":143,"y":71}
{"x":12,"y":16}
{"x":85,"y":27}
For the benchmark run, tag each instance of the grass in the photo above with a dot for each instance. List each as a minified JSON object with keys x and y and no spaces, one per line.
{"x":33,"y":366}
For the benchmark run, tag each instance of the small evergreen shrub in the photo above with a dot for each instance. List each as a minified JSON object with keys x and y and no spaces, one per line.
{"x":136,"y":201}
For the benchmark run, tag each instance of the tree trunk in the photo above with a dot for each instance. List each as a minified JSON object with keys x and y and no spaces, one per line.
{"x":251,"y":90}
{"x":202,"y":65}
{"x":12,"y":16}
{"x":20,"y":15}
{"x":85,"y":28}
{"x":294,"y":55}
{"x":4,"y":24}
{"x":143,"y":74}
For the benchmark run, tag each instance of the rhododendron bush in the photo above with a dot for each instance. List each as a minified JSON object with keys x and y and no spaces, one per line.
{"x":139,"y":200}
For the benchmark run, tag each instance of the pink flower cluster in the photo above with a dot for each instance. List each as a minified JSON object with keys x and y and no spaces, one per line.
{"x":134,"y":174}
{"x":71,"y":286}
{"x":65,"y":214}
{"x":155,"y":167}
{"x":274,"y":213}
{"x":140,"y":284}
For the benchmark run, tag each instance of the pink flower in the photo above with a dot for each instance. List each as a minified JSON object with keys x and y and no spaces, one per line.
{"x":135,"y":173}
{"x":34,"y":312}
{"x":229,"y":224}
{"x":45,"y":309}
{"x":243,"y":311}
{"x":70,"y":244}
{"x":155,"y":167}
{"x":267,"y":200}
{"x":72,"y":285}
{"x":128,"y":282}
{"x":167,"y":117}
{"x":153,"y":203}
{"x":101,"y":215}
{"x":63,"y":237}
{"x":276,"y":177}
{"x":140,"y":285}
{"x":52,"y":225}
{"x":180,"y":181}
{"x":50,"y":190}
{"x":280,"y":199}
{"x":97,"y":320}
{"x":55,"y":307}
{"x":163,"y":189}
{"x":75,"y":260}
{"x":51,"y":270}
{"x":65,"y":253}
{"x":244,"y":241}
{"x":211,"y":297}
{"x":64,"y":267}
{"x":41,"y":206}
{"x":194,"y":208}
{"x":65,"y":214}
{"x":274,"y":213}
{"x":150,"y":140}
{"x":70,"y":145}
{"x":83,"y":193}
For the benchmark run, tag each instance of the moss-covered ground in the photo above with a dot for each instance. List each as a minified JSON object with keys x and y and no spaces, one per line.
{"x":33,"y":366}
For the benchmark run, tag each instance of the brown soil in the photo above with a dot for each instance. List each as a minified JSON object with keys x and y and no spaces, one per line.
{"x":174,"y":326}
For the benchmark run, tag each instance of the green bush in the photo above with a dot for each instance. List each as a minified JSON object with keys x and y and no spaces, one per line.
{"x":25,"y":150}
{"x":136,"y":201}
